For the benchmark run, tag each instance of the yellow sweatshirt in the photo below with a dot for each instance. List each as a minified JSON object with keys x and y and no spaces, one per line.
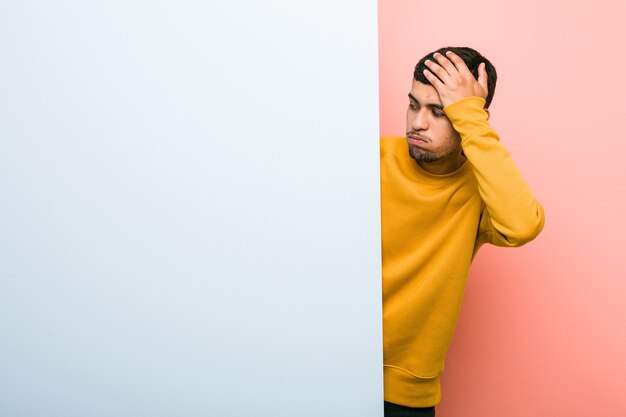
{"x":432,"y":226}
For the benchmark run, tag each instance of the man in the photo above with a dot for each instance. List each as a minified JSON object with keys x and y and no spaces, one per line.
{"x":447,"y":187}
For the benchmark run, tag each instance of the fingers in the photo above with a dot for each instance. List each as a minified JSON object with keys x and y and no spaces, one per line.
{"x":448,"y":66}
{"x":452,"y":78}
{"x":436,"y":82}
{"x":438,"y":70}
{"x":482,"y":77}
{"x":459,"y":64}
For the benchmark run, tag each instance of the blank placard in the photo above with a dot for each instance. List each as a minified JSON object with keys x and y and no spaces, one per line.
{"x":189,"y":222}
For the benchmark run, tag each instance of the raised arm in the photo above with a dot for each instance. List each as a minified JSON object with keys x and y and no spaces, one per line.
{"x":512,"y":216}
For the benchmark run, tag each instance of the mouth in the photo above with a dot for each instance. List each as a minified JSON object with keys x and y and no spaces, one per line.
{"x":418,"y":140}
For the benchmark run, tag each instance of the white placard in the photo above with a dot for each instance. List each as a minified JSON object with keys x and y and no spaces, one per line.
{"x":189,"y":222}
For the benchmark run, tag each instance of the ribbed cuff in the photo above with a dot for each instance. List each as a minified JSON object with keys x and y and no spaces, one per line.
{"x":403,"y":388}
{"x":468,"y":116}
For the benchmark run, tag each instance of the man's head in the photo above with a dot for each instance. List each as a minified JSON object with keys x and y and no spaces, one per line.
{"x":432,"y":140}
{"x":472,"y":59}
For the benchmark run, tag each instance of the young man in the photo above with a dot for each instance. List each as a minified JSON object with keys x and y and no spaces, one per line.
{"x":447,"y":187}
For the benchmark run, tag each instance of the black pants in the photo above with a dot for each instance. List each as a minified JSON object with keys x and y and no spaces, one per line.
{"x":395,"y":410}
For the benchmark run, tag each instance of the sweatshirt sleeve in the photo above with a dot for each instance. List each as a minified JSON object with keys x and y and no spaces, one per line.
{"x":511,"y":216}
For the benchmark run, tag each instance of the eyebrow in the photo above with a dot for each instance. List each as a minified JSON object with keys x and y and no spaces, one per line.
{"x":431,"y":105}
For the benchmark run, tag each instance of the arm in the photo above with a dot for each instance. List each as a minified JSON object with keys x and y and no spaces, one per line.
{"x":511,"y":216}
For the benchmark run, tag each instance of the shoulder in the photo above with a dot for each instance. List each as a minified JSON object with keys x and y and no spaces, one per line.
{"x":391,"y":145}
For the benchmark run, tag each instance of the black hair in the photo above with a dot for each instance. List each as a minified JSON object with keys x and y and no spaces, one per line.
{"x":472,"y":59}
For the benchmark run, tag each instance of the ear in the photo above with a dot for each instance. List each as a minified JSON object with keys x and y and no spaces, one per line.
{"x":487,"y":111}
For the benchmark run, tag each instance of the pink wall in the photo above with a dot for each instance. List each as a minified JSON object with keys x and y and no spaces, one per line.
{"x":543,"y":328}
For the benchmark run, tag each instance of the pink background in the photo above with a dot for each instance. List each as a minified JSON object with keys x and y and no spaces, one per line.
{"x":542,"y":330}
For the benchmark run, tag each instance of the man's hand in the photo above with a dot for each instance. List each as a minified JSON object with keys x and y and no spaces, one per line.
{"x":453,"y":80}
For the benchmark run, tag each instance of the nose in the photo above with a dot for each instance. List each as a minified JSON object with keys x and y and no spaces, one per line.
{"x":419,"y":120}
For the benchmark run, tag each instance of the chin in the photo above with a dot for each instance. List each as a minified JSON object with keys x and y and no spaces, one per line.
{"x":421,"y":155}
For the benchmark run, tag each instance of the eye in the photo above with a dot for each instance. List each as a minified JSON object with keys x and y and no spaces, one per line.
{"x":413,"y":106}
{"x":438,"y":113}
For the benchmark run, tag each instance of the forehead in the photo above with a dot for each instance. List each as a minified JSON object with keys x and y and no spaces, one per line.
{"x":424,"y":93}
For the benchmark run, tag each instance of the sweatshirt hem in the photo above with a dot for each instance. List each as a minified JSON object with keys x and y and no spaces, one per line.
{"x":405,"y":388}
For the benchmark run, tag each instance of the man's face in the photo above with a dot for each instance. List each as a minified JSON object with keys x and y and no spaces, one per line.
{"x":429,"y":133}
